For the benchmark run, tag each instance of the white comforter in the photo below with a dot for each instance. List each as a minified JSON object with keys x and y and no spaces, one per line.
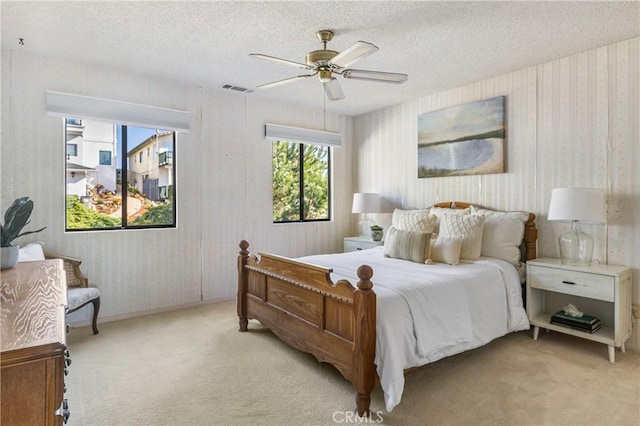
{"x":427,"y":312}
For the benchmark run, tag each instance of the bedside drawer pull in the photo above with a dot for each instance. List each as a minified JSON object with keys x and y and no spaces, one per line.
{"x":568,"y":282}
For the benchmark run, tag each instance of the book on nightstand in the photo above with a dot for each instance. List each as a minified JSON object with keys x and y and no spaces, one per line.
{"x":585,"y":323}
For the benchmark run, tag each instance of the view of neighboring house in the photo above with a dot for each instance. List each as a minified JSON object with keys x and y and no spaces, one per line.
{"x":150,"y":166}
{"x":91,"y":160}
{"x":91,"y":156}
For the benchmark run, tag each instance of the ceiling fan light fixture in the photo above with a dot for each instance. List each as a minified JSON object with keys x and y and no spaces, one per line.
{"x":333,"y":90}
{"x":324,"y":76}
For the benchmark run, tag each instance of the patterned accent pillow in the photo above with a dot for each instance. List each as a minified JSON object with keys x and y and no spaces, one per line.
{"x":469,"y":227}
{"x":408,"y":245}
{"x":397,"y":213}
{"x":439,"y":212}
{"x":417,"y":221}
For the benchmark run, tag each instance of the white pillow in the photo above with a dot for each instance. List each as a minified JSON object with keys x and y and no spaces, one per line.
{"x":417,"y":221}
{"x":30,"y":252}
{"x":469,"y":227}
{"x":407,"y":245}
{"x":503,"y":233}
{"x":397,"y":213}
{"x":446,"y":249}
{"x":443,"y":211}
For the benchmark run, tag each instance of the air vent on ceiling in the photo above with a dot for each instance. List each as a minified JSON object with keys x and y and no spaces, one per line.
{"x":236,"y":88}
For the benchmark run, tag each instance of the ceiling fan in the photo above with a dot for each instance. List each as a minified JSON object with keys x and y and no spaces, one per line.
{"x":325,"y":63}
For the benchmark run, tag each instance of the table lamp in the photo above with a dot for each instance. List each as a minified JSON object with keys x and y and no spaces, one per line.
{"x":577,"y":205}
{"x":365,"y":203}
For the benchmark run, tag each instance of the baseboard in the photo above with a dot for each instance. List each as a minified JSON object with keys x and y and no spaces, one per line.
{"x":112,"y":318}
{"x":102,"y":320}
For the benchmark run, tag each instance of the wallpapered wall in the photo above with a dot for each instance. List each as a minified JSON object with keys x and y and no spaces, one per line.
{"x":223,"y":185}
{"x":570,"y":122}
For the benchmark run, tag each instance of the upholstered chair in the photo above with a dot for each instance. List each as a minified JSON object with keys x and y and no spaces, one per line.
{"x":79,"y":293}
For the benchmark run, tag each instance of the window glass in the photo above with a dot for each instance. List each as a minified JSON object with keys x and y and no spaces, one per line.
{"x":106,"y":189}
{"x":316,"y":182}
{"x":105,"y":158}
{"x":72,"y":150}
{"x":300,"y":182}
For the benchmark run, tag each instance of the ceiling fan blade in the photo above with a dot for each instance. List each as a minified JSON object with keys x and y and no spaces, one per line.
{"x":282,"y":61}
{"x":286,"y":80}
{"x":359,"y":50}
{"x":333,"y":90}
{"x":383,"y":77}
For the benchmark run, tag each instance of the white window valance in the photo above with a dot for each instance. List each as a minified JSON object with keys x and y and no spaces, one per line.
{"x":276,"y":132}
{"x":90,"y":108}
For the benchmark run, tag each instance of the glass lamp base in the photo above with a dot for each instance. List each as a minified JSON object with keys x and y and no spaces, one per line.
{"x":364,"y":226}
{"x":576,"y":247}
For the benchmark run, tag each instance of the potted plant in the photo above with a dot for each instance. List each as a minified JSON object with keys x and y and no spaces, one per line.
{"x":16,"y":217}
{"x":376,"y":232}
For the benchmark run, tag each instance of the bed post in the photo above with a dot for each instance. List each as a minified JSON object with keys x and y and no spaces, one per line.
{"x":530,"y":237}
{"x":242,"y":285}
{"x":364,"y":342}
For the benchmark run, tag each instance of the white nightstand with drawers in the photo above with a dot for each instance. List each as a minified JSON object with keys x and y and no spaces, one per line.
{"x":603,"y":291}
{"x":360,"y":243}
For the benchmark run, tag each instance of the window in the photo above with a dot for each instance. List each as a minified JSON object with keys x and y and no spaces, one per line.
{"x":72,"y":150}
{"x":301,"y":183}
{"x":105,"y":158}
{"x":107,"y":189}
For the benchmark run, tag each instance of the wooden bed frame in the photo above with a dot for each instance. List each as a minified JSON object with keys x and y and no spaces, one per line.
{"x":335,"y":322}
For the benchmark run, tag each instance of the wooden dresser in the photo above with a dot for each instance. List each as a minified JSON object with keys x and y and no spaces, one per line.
{"x":34,"y":357}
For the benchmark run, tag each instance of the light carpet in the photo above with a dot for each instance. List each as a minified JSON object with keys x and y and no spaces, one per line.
{"x":193,"y":367}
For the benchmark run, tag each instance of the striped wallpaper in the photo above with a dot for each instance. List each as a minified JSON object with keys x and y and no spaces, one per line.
{"x":570,"y":122}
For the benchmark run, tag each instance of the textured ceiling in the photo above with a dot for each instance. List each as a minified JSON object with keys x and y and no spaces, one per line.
{"x":440,"y":45}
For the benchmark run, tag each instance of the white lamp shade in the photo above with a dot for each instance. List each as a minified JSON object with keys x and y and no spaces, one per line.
{"x":366,"y":202}
{"x":586,"y":205}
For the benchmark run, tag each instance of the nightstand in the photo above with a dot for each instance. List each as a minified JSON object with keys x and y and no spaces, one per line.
{"x":603,"y":291}
{"x":360,"y":243}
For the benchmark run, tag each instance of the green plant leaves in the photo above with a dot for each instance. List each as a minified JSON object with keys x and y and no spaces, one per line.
{"x":15,"y":219}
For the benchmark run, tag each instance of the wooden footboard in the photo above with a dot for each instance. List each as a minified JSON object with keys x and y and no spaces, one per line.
{"x":298,"y":302}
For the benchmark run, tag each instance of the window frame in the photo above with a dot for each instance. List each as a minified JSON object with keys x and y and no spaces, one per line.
{"x":301,"y":197}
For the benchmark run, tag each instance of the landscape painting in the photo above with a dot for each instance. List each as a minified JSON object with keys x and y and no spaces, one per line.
{"x":462,"y":140}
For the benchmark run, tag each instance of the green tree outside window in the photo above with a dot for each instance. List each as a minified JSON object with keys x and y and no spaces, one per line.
{"x":300,"y":182}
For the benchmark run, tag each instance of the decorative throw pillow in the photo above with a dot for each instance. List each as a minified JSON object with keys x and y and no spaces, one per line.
{"x":397,"y":213}
{"x":439,"y":212}
{"x":470,"y":228}
{"x":408,"y":245}
{"x":417,"y":221}
{"x":503,"y":233}
{"x":445,"y":249}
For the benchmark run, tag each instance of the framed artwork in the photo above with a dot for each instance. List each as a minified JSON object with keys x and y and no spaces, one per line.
{"x":462,"y":140}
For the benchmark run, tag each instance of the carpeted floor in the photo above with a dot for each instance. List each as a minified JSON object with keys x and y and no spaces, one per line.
{"x":192,"y":367}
